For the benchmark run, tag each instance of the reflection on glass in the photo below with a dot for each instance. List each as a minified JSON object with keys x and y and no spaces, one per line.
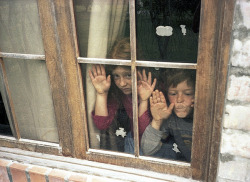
{"x":99,"y":24}
{"x":20,"y":27}
{"x":4,"y":122}
{"x":167,"y":30}
{"x":170,"y":133}
{"x":32,"y":100}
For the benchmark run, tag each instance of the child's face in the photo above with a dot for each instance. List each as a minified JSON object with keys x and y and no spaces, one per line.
{"x":122,"y":78}
{"x":183,"y":98}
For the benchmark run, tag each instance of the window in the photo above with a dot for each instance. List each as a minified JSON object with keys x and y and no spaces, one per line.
{"x":103,"y":30}
{"x":69,"y":29}
{"x":25,"y":87}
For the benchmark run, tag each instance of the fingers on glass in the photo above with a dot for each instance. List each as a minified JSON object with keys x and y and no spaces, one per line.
{"x":144,"y":76}
{"x":154,"y":83}
{"x":94,"y":72}
{"x":162,"y":97}
{"x":149,"y":78}
{"x":139,"y":75}
{"x":103,"y":72}
{"x":155,"y":96}
{"x":97,"y":70}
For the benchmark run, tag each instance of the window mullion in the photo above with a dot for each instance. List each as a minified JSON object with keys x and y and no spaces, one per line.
{"x":134,"y":75}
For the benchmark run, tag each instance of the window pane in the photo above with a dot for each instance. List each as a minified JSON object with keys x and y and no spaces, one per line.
{"x":20,"y":27}
{"x":169,"y":135}
{"x":110,"y":115}
{"x":167,"y":30}
{"x":29,"y":87}
{"x":99,"y":25}
{"x":5,"y":128}
{"x":109,"y":106}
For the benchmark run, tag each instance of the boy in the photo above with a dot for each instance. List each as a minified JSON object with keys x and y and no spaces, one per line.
{"x":174,"y":121}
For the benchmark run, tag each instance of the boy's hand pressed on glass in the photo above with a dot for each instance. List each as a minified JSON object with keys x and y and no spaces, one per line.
{"x":145,"y":86}
{"x":99,"y":79}
{"x":159,"y":109}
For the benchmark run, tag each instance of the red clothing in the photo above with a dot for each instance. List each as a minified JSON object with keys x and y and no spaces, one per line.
{"x":103,"y":122}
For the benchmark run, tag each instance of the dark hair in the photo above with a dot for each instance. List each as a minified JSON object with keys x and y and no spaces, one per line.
{"x":172,"y":77}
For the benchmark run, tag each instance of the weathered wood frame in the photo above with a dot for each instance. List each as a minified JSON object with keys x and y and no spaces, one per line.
{"x":62,"y":60}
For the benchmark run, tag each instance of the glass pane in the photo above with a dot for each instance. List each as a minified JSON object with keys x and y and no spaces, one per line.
{"x":20,"y":27}
{"x":29,"y":87}
{"x":102,"y":31}
{"x":5,"y":128}
{"x":109,"y":103}
{"x":167,"y":30}
{"x":6,"y":122}
{"x":169,"y":135}
{"x":110,"y":116}
{"x":99,"y":25}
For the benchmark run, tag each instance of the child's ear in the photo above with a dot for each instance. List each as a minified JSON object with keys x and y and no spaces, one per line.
{"x":192,"y":105}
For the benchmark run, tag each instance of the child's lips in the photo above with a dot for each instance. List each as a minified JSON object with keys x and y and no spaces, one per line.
{"x":126,"y":90}
{"x":179,"y":108}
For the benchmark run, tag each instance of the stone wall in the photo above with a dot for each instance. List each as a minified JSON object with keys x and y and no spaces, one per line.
{"x":234,"y":163}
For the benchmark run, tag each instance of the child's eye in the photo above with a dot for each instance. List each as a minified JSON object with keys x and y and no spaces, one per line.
{"x":171,"y":93}
{"x":128,"y":76}
{"x":116,"y":77}
{"x":189,"y":94}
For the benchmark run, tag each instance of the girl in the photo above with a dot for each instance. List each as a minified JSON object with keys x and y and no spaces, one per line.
{"x":113,"y":106}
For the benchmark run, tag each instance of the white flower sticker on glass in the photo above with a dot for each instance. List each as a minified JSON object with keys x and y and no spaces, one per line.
{"x":183,"y":29}
{"x":175,"y":148}
{"x":98,"y":138}
{"x":164,"y":30}
{"x":120,"y":132}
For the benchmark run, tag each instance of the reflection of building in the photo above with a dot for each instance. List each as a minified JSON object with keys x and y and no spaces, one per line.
{"x":233,"y":147}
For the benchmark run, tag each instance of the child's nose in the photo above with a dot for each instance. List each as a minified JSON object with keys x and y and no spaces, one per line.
{"x":122,"y":82}
{"x":179,"y":98}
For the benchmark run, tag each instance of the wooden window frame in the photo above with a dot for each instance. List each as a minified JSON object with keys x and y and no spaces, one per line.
{"x":62,"y":61}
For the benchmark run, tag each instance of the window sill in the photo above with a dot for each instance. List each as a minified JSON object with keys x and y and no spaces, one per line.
{"x":85,"y":167}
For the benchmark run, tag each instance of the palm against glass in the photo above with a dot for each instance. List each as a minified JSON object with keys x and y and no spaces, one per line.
{"x":144,"y":86}
{"x":159,"y":108}
{"x":99,"y":79}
